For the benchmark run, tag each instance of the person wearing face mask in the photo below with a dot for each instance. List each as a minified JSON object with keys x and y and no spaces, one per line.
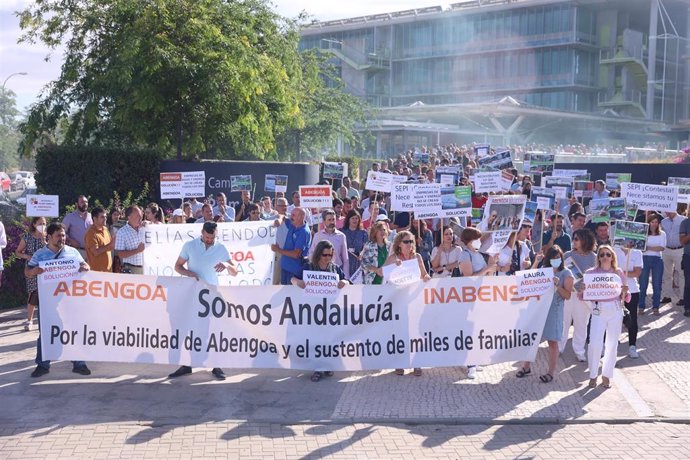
{"x":31,"y":242}
{"x":553,"y":327}
{"x":472,"y":263}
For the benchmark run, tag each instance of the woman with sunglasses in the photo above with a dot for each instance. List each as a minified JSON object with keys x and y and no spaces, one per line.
{"x":607,"y":318}
{"x":375,"y":253}
{"x":356,"y":237}
{"x":403,"y":249}
{"x":445,"y":258}
{"x":653,"y":264}
{"x":321,"y":261}
{"x":574,"y":309}
{"x":553,"y":327}
{"x":632,"y":264}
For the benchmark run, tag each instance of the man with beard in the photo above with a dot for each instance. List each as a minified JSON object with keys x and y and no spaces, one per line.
{"x":556,"y":236}
{"x":55,"y":249}
{"x":77,"y":223}
{"x":335,"y":237}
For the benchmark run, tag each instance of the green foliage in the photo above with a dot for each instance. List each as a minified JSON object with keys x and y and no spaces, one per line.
{"x":352,"y":164}
{"x":106,"y":175}
{"x":197,"y":75}
{"x":9,"y":135}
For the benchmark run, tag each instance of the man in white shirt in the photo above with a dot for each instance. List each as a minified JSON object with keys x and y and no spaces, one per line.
{"x":673,"y":257}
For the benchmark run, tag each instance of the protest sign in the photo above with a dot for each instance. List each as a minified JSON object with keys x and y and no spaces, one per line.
{"x":599,"y":209}
{"x":630,"y":234}
{"x":683,"y":184}
{"x":614,"y":180}
{"x":477,"y":215}
{"x":485,"y":182}
{"x":499,"y":161}
{"x":315,"y":196}
{"x":482,"y":150}
{"x":630,"y":211}
{"x":570,"y":264}
{"x":506,"y":180}
{"x":320,"y":284}
{"x":456,"y":201}
{"x":333,"y":170}
{"x":56,"y":270}
{"x":648,"y":197}
{"x":499,"y":239}
{"x":241,"y":183}
{"x":545,"y":198}
{"x":249,"y":245}
{"x":538,"y":162}
{"x":42,"y":205}
{"x":402,"y":197}
{"x":601,"y":286}
{"x":379,"y":181}
{"x":530,"y":212}
{"x":427,"y":201}
{"x":616,"y":209}
{"x":449,"y":175}
{"x":573,"y":173}
{"x":563,"y":186}
{"x":583,"y":189}
{"x":161,"y":320}
{"x":189,"y":184}
{"x":275,"y":183}
{"x":407,"y":272}
{"x":421,"y":157}
{"x":504,"y":212}
{"x":534,"y":282}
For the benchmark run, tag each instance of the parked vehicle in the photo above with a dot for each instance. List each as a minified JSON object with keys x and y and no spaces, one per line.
{"x":27,"y":191}
{"x":5,"y":181}
{"x":29,"y":179}
{"x":17,"y":182}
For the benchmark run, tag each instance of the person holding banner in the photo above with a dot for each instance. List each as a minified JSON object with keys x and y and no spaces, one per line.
{"x":575,"y":310}
{"x":607,"y":318}
{"x":321,"y":260}
{"x":553,"y":327}
{"x":205,"y":258}
{"x":31,"y":242}
{"x":403,"y":249}
{"x":445,"y":258}
{"x":375,"y":253}
{"x":55,"y":249}
{"x":653,"y":265}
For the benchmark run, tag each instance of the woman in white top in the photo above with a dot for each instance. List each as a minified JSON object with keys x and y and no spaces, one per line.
{"x":446,"y":256}
{"x":653,"y":264}
{"x":631,"y":262}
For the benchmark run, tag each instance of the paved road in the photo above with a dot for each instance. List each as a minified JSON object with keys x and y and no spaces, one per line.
{"x":134,"y":411}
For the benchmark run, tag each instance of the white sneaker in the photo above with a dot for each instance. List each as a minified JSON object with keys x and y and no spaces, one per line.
{"x":472,"y":372}
{"x":580,"y":357}
{"x":632,"y":352}
{"x":28,"y":325}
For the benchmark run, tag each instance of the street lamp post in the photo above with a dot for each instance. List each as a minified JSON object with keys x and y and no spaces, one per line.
{"x":10,"y":76}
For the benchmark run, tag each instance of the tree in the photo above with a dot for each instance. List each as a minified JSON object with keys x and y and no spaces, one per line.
{"x":196,"y":75}
{"x":329,"y":112}
{"x":9,"y":135}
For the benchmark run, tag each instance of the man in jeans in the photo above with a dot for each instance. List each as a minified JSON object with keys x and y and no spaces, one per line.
{"x":673,"y":256}
{"x":56,"y":249}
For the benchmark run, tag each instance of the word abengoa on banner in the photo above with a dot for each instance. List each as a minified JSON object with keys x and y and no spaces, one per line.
{"x":145,"y":319}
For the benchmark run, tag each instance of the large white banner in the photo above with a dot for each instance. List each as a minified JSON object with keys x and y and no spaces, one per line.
{"x":147,"y":319}
{"x":249,"y":245}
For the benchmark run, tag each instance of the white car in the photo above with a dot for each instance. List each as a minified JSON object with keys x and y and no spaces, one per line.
{"x":29,"y":179}
{"x":28,"y":191}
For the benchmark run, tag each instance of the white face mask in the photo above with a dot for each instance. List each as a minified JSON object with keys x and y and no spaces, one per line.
{"x":555,"y":263}
{"x":41,"y":228}
{"x":476,"y":244}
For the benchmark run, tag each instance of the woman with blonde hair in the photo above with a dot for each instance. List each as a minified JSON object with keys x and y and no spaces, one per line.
{"x":402,"y":250}
{"x":375,"y":253}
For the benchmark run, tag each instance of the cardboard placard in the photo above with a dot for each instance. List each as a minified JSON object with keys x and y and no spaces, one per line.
{"x":648,"y":197}
{"x":315,"y":196}
{"x":181,"y":185}
{"x":42,"y":205}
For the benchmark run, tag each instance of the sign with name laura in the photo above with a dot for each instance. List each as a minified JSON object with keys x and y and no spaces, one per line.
{"x":489,"y":181}
{"x":275,"y":183}
{"x":427,"y":201}
{"x":443,"y":322}
{"x":190,"y":184}
{"x":601,"y":286}
{"x":249,"y":245}
{"x":315,"y":196}
{"x":402,"y":197}
{"x":56,"y":270}
{"x":333,"y":170}
{"x":320,"y":284}
{"x":42,"y":205}
{"x":241,"y":183}
{"x":683,"y":184}
{"x":649,"y":197}
{"x":405,"y":273}
{"x":534,"y":282}
{"x":379,"y":181}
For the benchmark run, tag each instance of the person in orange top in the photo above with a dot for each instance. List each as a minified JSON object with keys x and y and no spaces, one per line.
{"x":98,"y":243}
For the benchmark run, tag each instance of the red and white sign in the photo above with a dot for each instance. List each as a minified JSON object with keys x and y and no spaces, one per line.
{"x":315,"y":196}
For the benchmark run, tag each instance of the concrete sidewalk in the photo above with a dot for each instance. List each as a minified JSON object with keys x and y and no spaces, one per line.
{"x":136,"y":409}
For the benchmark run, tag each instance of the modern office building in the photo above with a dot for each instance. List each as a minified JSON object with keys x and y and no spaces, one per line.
{"x":518,"y":71}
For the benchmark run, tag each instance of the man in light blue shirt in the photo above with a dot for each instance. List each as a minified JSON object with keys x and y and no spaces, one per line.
{"x":205,"y":258}
{"x":222,"y":209}
{"x":55,"y":249}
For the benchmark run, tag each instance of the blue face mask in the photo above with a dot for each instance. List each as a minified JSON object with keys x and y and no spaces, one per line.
{"x":555,"y":263}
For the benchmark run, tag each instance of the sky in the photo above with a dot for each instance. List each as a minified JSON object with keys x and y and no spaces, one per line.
{"x":32,"y":58}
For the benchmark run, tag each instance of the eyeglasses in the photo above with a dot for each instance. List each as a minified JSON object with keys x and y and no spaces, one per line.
{"x":327,"y":255}
{"x":407,"y":241}
{"x":605,"y":254}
